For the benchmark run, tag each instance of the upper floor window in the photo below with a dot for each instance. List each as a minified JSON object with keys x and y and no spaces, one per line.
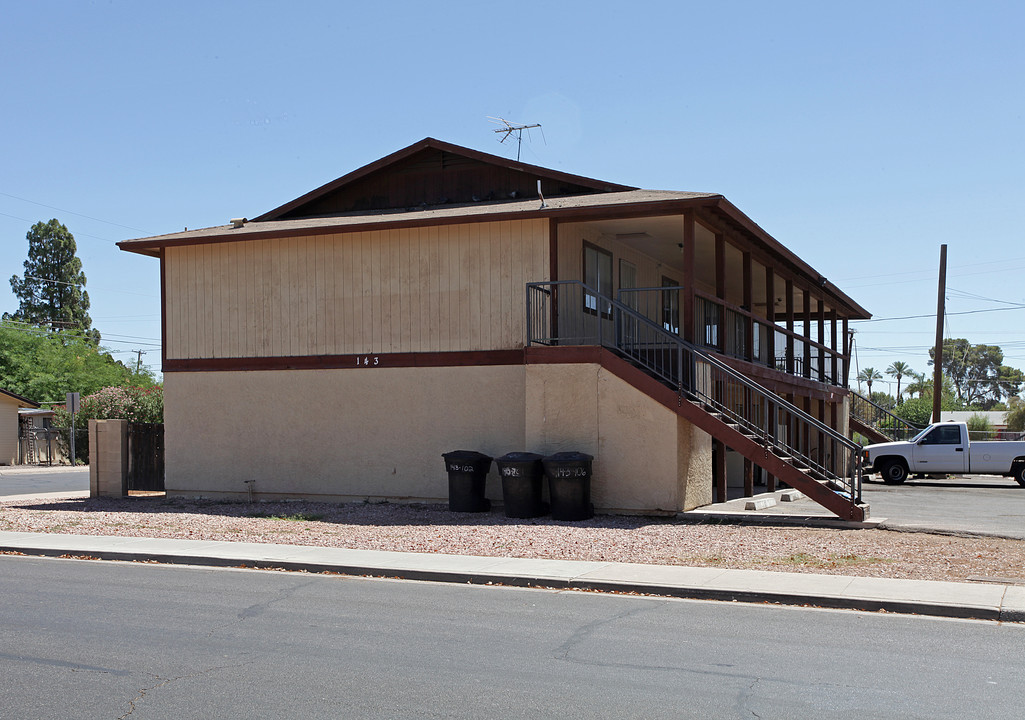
{"x":597,"y":276}
{"x":670,"y":305}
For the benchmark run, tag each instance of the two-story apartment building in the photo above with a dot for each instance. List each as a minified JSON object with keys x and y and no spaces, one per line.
{"x":337,"y":345}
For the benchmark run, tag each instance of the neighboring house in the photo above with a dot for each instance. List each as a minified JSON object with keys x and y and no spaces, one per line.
{"x":997,"y":418}
{"x":9,"y":405}
{"x":39,"y":437}
{"x":431,"y":301}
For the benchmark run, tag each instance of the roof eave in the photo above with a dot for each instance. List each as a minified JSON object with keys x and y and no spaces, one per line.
{"x":857,"y":311}
{"x":22,"y":401}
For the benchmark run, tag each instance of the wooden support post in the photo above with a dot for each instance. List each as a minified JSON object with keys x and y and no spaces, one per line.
{"x":821,"y":338}
{"x":749,"y":329}
{"x":688,"y":277}
{"x":720,"y":266}
{"x":807,"y":334}
{"x":749,"y":478}
{"x":834,"y":370}
{"x":770,"y":315}
{"x":834,"y":416}
{"x":719,"y":470}
{"x":846,"y":354}
{"x":806,"y":446}
{"x":790,"y":327}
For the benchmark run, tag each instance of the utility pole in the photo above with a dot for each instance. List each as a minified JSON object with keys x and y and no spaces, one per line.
{"x":937,"y":374}
{"x":138,"y":363}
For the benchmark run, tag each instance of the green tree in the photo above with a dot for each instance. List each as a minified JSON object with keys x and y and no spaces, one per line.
{"x":918,"y":411}
{"x":978,"y":374}
{"x":898,"y":369}
{"x":883,"y":400}
{"x":1016,"y":414}
{"x":44,"y":366}
{"x":921,"y":385}
{"x":868,"y":376}
{"x":52,"y":290}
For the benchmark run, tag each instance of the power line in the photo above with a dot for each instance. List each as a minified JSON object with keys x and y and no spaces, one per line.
{"x":95,"y":287}
{"x":40,"y":331}
{"x":917,"y":317}
{"x":72,"y":212}
{"x":928,"y":273}
{"x":77,"y":234}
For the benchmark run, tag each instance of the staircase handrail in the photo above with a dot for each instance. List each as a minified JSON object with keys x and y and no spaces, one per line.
{"x":672,"y":338}
{"x":899,"y":423}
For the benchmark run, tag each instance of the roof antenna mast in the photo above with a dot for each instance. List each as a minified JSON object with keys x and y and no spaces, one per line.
{"x":511,"y":128}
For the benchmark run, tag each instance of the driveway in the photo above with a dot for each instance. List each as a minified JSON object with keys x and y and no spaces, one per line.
{"x":42,"y":479}
{"x":977,"y":503}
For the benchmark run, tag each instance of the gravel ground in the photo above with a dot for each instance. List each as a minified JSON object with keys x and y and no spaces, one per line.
{"x":433,"y":528}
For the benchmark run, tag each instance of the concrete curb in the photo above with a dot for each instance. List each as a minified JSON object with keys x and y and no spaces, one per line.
{"x":739,"y":517}
{"x":983,"y":601}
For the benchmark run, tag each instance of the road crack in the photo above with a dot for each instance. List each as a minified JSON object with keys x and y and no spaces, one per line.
{"x":132,"y":704}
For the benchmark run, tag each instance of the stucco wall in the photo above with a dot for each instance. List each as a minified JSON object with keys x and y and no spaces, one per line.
{"x":8,"y":430}
{"x":647,"y":458}
{"x":337,"y":434}
{"x":380,"y":433}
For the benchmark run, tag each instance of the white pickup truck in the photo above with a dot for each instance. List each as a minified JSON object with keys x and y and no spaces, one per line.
{"x":945,"y":448}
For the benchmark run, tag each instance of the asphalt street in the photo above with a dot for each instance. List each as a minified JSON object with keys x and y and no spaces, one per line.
{"x":972,"y":504}
{"x":32,"y":479}
{"x":109,"y":640}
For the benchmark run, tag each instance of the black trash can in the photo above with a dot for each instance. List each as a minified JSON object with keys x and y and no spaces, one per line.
{"x":569,"y":485}
{"x":522,"y":482}
{"x":467,"y":474}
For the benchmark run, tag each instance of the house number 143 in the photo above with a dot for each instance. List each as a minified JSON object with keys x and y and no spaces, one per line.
{"x":367,"y":360}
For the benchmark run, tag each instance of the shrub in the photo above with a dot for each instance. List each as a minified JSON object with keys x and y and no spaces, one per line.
{"x":134,"y":404}
{"x":980,"y":428}
{"x":1016,"y":415}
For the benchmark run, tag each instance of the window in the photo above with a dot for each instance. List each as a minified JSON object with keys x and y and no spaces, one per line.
{"x":943,"y":435}
{"x":628,"y":281}
{"x":597,"y":276}
{"x":670,"y":305}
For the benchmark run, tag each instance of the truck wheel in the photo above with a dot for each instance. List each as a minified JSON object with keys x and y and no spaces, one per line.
{"x":893,"y":472}
{"x":1019,"y":474}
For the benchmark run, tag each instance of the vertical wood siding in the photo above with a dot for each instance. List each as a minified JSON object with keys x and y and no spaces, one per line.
{"x":432,"y":289}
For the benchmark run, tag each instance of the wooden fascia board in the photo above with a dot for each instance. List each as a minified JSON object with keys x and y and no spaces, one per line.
{"x":431,"y":143}
{"x":22,"y":401}
{"x":805,"y":274}
{"x":151,"y":246}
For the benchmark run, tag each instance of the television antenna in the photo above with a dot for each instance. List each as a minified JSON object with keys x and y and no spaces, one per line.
{"x":510,"y":128}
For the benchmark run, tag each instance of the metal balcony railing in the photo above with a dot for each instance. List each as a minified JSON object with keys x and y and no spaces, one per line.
{"x":571,"y":313}
{"x":884,"y":421}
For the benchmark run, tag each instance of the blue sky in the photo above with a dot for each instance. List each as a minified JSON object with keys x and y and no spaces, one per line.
{"x":861,"y":135}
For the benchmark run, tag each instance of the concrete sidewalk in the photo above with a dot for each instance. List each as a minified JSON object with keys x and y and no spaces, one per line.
{"x":984,"y":601}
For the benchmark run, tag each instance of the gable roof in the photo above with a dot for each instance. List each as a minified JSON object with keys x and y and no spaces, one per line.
{"x":433,"y":173}
{"x":425,"y":184}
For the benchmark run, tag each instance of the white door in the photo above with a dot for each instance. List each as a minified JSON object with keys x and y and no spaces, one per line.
{"x":941,"y":451}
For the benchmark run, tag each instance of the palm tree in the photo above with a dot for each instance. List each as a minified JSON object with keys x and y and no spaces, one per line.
{"x":898,"y":369}
{"x":921,"y":385}
{"x":868,"y":376}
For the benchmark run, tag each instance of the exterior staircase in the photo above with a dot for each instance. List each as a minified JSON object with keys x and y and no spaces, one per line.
{"x":772,"y":433}
{"x":877,"y":423}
